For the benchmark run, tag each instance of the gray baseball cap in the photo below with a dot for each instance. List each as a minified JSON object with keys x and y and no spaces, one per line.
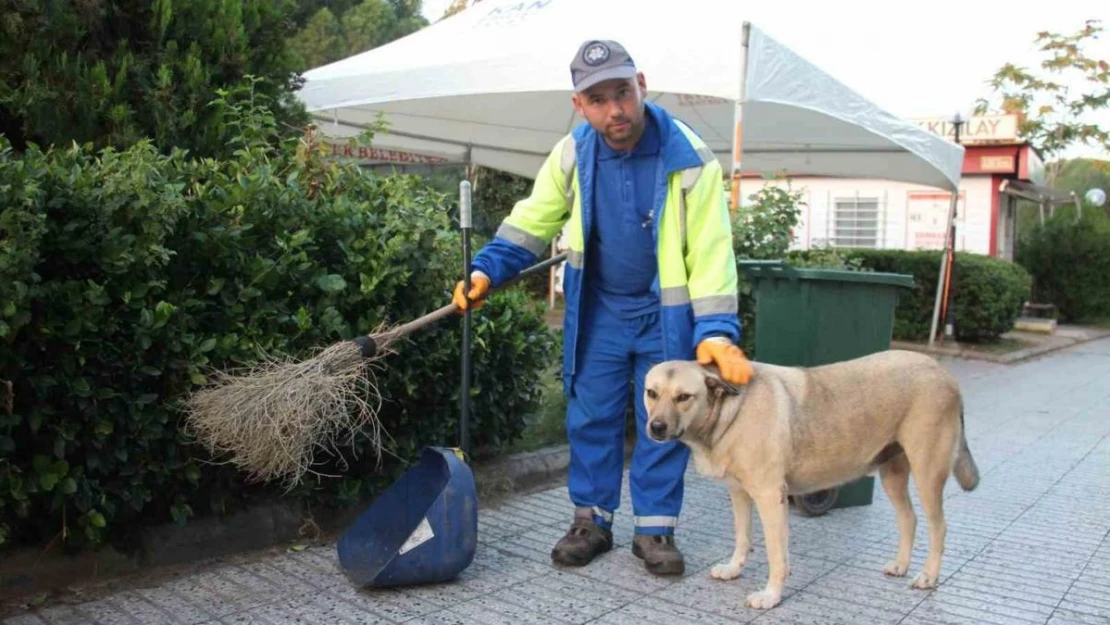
{"x":600,"y":60}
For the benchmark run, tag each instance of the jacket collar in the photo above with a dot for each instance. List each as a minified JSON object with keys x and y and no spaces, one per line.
{"x":674,"y":148}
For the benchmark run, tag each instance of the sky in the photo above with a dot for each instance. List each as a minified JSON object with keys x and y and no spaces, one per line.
{"x":917,"y":59}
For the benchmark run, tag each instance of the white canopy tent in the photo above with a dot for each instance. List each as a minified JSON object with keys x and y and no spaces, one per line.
{"x":490,"y":86}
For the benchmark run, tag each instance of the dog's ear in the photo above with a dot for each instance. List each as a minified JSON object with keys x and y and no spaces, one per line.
{"x":719,"y":388}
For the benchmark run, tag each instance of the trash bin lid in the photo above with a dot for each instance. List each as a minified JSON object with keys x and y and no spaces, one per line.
{"x":779,"y":269}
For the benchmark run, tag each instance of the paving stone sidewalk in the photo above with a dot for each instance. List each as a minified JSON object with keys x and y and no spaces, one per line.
{"x":1029,"y":546}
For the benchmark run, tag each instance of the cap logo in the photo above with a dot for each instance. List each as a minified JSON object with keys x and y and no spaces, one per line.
{"x":595,"y":54}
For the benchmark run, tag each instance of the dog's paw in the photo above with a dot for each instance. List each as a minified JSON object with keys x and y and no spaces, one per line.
{"x":726,"y":571}
{"x":895,"y":569}
{"x":763,"y":600}
{"x":924,"y":581}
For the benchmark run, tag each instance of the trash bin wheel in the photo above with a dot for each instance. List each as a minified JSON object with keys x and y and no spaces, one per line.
{"x":817,"y":503}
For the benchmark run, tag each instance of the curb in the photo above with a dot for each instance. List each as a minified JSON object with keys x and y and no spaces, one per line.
{"x":1010,"y":358}
{"x":526,"y":469}
{"x":29,"y":571}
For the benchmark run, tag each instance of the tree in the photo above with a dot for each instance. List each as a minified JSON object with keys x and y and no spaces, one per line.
{"x":113,"y":72}
{"x":375,"y":23}
{"x":1053,"y":101}
{"x":320,"y":42}
{"x":458,"y":6}
{"x":1082,"y":174}
{"x":330,"y":35}
{"x":306,"y":9}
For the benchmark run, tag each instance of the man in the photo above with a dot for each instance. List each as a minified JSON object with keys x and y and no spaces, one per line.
{"x":651,"y":275}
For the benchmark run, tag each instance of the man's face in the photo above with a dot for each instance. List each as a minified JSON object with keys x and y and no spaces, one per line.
{"x":615,"y":108}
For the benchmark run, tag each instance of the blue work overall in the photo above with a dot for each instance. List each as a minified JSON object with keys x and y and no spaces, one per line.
{"x":621,"y":339}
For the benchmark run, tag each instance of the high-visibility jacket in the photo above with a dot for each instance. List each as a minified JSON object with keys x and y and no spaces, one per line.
{"x":696,"y":281}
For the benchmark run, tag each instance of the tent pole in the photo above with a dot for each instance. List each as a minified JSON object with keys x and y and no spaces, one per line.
{"x":945,"y":265}
{"x":551,"y":276}
{"x":737,"y":119}
{"x":943,"y":270}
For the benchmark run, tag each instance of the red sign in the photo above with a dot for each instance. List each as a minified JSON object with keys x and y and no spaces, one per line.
{"x":378,"y":155}
{"x":927,"y":218}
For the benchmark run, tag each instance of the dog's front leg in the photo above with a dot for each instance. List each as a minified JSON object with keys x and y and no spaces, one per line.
{"x":772,"y":506}
{"x":742,"y":519}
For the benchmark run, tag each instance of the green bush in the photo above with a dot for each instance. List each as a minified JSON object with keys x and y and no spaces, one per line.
{"x":495,"y":194}
{"x":825,"y":258}
{"x":1069,"y":260}
{"x":761,"y":230}
{"x":988,"y":293}
{"x":112,"y":72}
{"x":126,"y":275}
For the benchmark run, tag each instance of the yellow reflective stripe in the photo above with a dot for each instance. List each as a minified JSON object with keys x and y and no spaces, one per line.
{"x":709,"y":258}
{"x":690,"y":177}
{"x":544,"y":212}
{"x":672,"y":266}
{"x":566,"y":165}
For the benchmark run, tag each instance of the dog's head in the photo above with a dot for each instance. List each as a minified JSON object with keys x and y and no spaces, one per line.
{"x":683,"y":396}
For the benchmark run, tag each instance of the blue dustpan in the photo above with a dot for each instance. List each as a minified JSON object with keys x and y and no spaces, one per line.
{"x":422,"y":530}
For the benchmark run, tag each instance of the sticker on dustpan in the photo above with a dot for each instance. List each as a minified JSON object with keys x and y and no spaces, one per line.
{"x":422,"y":534}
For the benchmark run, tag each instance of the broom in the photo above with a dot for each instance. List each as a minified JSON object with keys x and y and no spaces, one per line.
{"x":273,"y":417}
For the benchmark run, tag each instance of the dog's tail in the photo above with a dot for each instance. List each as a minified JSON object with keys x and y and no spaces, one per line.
{"x":965,"y":469}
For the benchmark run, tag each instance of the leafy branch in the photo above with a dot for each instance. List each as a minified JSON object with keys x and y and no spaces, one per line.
{"x":1052,"y":102}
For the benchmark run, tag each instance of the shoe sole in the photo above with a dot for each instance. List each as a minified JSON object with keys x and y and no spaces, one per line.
{"x":659,"y":568}
{"x":569,"y":560}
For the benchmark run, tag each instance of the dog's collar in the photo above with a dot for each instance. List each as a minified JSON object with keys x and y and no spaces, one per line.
{"x":707,"y":429}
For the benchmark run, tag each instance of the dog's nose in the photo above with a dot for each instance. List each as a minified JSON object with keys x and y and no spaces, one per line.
{"x":658,"y":428}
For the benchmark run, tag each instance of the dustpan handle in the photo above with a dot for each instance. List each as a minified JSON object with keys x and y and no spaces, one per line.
{"x":452,"y":308}
{"x":464,"y":388}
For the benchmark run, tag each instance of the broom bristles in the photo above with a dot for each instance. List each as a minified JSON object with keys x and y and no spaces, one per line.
{"x":273,"y":418}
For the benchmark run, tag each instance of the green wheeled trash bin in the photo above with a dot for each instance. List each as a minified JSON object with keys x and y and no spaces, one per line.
{"x":809,"y":317}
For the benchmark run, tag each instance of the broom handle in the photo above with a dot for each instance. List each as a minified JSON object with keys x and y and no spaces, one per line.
{"x":452,"y":308}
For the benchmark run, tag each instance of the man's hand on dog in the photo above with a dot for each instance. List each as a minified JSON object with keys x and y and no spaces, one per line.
{"x":730,"y":360}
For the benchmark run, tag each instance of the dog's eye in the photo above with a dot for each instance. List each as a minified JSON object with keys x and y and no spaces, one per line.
{"x":683,"y":397}
{"x":652,"y":394}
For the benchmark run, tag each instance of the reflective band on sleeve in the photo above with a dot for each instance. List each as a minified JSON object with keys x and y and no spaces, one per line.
{"x":675,"y":296}
{"x":689,"y":179}
{"x":566,"y":164}
{"x":715,"y":305}
{"x":530,"y":242}
{"x":574,"y":259}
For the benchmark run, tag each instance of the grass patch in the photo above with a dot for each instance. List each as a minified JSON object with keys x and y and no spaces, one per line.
{"x":1098,"y":322}
{"x":1000,"y":346}
{"x":547,"y":426}
{"x":1003,"y":345}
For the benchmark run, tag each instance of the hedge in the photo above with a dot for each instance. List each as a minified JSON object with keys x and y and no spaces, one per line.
{"x":988,"y":293}
{"x":1069,"y":260}
{"x":125,"y":275}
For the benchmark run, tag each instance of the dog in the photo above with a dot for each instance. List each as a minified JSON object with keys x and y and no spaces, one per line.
{"x":796,"y":430}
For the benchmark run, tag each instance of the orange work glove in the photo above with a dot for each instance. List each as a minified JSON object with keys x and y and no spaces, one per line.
{"x":479,"y":287}
{"x":729,"y":358}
